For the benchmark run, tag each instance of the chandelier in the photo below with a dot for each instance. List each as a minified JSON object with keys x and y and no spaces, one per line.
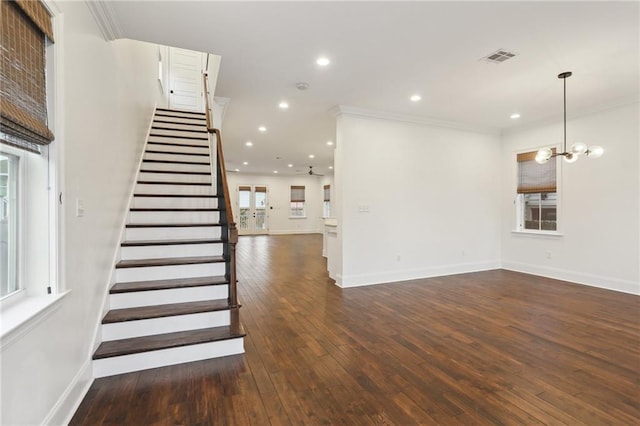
{"x":577,"y":149}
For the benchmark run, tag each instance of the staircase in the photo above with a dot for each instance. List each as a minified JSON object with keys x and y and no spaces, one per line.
{"x":174,"y":298}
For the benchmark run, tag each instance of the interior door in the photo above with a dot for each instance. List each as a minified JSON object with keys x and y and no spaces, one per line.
{"x":185,"y":79}
{"x":252,"y":209}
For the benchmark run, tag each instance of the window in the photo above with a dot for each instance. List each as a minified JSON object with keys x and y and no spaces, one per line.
{"x":297,"y":201}
{"x":27,"y":185}
{"x":326,"y":207}
{"x":537,"y":199}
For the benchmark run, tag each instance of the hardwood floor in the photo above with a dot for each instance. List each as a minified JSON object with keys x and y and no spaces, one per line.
{"x":493,"y":347}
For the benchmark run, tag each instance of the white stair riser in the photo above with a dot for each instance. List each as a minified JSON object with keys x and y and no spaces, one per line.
{"x":159,"y":252}
{"x":174,"y":217}
{"x":149,"y":327}
{"x":162,"y":297}
{"x":175,"y":157}
{"x":186,"y":135}
{"x":177,"y":167}
{"x":173,"y":148}
{"x":178,"y":233}
{"x":180,"y":126}
{"x":142,"y":361}
{"x":177,"y":113}
{"x":174,"y":177}
{"x":150,"y":273}
{"x":142,"y":188}
{"x":174,"y":202}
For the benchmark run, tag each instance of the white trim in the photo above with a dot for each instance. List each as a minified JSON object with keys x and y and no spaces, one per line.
{"x":223,"y":104}
{"x":391,"y":277}
{"x":609,"y":283}
{"x":339,"y":110}
{"x":532,"y":233}
{"x":106,"y":19}
{"x":63,"y":410}
{"x":23,"y":316}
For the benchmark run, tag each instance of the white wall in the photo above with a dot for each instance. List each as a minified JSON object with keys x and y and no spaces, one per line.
{"x":108,"y":94}
{"x":279,"y":196}
{"x":432,"y":195}
{"x":599,"y":212}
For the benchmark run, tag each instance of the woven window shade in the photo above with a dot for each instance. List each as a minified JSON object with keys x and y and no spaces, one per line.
{"x":244,"y":188}
{"x":534,"y":177}
{"x":297,"y":194}
{"x":327,"y":193}
{"x":261,"y":189}
{"x":23,"y":100}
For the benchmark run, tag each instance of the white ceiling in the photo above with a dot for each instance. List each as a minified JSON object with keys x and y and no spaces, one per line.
{"x":382,"y":52}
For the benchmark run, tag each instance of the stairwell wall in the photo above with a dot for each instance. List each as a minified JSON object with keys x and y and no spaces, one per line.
{"x":107,"y":91}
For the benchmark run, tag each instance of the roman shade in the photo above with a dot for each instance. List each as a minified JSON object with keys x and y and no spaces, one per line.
{"x":297,"y":194}
{"x":534,"y":177}
{"x":26,"y":26}
{"x":327,"y":193}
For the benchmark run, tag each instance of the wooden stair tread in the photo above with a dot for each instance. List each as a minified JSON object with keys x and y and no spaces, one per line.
{"x":174,"y":209}
{"x":161,"y":311}
{"x":178,"y":144}
{"x":176,"y":162}
{"x":206,"y":138}
{"x":159,"y":182}
{"x":176,"y":172}
{"x":171,"y":242}
{"x":203,"y":130}
{"x":166,"y":284}
{"x":168,"y":261}
{"x":168,"y":340}
{"x":179,"y":195}
{"x":152,"y":151}
{"x":170,"y":225}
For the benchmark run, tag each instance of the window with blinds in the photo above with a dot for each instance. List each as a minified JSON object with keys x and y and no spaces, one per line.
{"x":297,"y":200}
{"x":326,"y":207}
{"x":536,"y":193}
{"x":26,"y":27}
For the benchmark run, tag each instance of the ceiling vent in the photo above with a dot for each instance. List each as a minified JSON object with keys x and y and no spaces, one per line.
{"x":498,"y":56}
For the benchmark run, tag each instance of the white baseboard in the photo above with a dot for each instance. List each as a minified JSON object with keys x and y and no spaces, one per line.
{"x":358,"y":280}
{"x":608,"y":283}
{"x":70,"y":400}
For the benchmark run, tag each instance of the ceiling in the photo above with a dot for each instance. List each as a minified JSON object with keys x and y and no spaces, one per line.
{"x":383,"y":52}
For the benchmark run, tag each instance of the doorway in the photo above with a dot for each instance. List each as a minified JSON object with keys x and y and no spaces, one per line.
{"x":185,"y":79}
{"x":252,"y":209}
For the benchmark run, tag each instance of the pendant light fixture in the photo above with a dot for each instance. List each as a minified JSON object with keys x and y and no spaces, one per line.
{"x":544,"y":154}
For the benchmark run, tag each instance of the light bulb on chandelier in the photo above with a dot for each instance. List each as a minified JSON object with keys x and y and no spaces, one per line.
{"x":577,"y":149}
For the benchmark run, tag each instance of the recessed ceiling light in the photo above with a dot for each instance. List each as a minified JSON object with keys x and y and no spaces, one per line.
{"x":330,"y":167}
{"x":289,"y":165}
{"x":415,"y":98}
{"x":275,"y":171}
{"x":329,"y":143}
{"x":515,"y":115}
{"x":283,"y":105}
{"x":244,"y":163}
{"x":312,"y":156}
{"x":262,"y":129}
{"x":322,"y":61}
{"x":248,"y":143}
{"x":237,"y":170}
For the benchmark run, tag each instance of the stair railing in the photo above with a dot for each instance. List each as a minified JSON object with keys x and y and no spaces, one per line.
{"x":229,"y":231}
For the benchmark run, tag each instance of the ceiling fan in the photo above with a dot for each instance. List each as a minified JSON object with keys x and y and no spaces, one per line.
{"x":310,"y":172}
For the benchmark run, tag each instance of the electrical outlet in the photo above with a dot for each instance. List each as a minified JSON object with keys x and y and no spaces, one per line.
{"x":79,"y":207}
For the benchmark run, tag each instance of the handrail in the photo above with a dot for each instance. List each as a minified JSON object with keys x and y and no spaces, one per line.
{"x":228,"y":225}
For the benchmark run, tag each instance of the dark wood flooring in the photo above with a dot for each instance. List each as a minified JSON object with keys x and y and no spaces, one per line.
{"x":494,"y":347}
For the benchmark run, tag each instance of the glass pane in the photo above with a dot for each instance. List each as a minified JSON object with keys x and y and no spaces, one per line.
{"x":540,"y":211}
{"x":8,"y":224}
{"x":244,"y":199}
{"x":261,"y":200}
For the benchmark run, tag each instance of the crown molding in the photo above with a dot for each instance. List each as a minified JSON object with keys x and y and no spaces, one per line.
{"x":339,"y":110}
{"x":105,"y":16}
